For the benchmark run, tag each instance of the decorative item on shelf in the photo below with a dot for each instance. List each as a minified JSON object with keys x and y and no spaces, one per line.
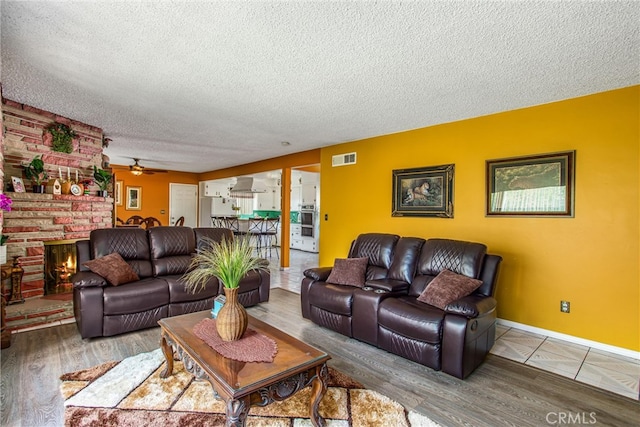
{"x":16,"y":282}
{"x":54,"y":186}
{"x":5,"y":202}
{"x":86,"y":183}
{"x":229,"y":261}
{"x":102,"y":179}
{"x":17,"y":184}
{"x":76,"y":189}
{"x":62,"y":137}
{"x":3,"y":248}
{"x":5,"y":205}
{"x":66,"y":183}
{"x":5,"y":340}
{"x":36,"y":173}
{"x":65,"y":187}
{"x":106,"y":162}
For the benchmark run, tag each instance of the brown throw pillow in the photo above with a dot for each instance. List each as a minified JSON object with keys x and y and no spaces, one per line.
{"x":349,"y":271}
{"x":448,"y":287}
{"x":113,"y":268}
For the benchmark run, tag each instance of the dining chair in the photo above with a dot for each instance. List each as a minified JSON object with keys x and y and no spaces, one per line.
{"x":149,"y":222}
{"x":179,"y":222}
{"x":135,"y":219}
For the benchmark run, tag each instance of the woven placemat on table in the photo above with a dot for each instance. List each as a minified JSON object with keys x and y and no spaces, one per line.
{"x":252,"y":347}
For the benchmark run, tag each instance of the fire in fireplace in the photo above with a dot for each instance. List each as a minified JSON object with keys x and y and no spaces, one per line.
{"x":59,"y":266}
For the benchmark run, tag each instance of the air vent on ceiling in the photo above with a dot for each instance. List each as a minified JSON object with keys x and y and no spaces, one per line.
{"x":343,"y":159}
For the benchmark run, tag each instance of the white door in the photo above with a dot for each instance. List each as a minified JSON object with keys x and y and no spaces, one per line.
{"x":183,"y":201}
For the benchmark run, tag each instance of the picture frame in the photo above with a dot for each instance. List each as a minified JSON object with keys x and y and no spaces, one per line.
{"x":538,"y":185}
{"x":423,"y":192}
{"x":118,"y":193}
{"x":18,"y":185}
{"x":134,"y":198}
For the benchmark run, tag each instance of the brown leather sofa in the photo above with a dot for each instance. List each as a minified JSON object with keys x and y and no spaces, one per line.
{"x":386,"y":311}
{"x":159,"y":256}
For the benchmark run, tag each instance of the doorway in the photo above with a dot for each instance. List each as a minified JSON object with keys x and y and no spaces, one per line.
{"x":183,"y":201}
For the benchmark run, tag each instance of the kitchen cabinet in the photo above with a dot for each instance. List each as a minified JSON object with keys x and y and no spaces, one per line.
{"x":269,"y":201}
{"x":308,"y":194}
{"x":296,"y":197}
{"x":214,"y":189}
{"x":298,"y":241}
{"x":295,"y":242}
{"x":309,"y":245}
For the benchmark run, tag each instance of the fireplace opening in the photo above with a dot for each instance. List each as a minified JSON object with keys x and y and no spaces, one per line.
{"x":59,"y":266}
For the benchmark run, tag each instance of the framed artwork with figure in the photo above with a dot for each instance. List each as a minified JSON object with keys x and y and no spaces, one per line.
{"x":425,"y":191}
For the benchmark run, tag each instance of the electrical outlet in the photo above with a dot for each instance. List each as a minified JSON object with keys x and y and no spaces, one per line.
{"x":565,"y":306}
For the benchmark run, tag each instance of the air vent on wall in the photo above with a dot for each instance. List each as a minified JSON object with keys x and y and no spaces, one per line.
{"x":343,"y":159}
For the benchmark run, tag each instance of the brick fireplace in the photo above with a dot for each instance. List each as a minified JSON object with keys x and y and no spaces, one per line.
{"x":38,"y":218}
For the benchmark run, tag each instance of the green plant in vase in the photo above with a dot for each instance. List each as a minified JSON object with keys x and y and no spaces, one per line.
{"x":36,"y":173}
{"x":62,"y":137}
{"x":229,"y":261}
{"x":102,"y":179}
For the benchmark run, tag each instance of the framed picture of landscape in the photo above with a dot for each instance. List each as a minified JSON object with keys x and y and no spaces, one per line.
{"x":538,"y":185}
{"x":425,"y":191}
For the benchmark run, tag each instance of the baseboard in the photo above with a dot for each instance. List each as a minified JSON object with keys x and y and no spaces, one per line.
{"x":570,"y":338}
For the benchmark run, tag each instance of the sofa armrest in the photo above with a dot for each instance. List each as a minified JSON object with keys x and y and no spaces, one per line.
{"x":471,"y":306}
{"x":320,"y":274}
{"x":265,"y":284}
{"x":388,"y":285}
{"x":88,"y":310}
{"x":88,"y":279}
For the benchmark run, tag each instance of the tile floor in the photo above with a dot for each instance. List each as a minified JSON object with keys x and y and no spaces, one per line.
{"x":609,"y":371}
{"x":616,"y":373}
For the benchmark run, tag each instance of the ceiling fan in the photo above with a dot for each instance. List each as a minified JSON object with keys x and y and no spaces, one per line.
{"x":138,"y":170}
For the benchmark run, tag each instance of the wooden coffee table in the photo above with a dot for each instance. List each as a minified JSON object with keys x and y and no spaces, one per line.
{"x":244,"y":384}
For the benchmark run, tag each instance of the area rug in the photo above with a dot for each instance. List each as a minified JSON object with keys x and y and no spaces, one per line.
{"x":131,"y":393}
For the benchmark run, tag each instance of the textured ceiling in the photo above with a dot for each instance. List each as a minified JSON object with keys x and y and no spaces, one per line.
{"x":198,"y":86}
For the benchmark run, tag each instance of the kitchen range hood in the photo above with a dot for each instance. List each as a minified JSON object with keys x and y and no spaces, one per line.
{"x":248,"y":186}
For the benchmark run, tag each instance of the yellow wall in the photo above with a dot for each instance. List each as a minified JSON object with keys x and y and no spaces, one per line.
{"x":591,"y":260}
{"x":155,"y":191}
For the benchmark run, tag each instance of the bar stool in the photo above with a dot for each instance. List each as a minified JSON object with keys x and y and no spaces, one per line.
{"x":232,"y":223}
{"x":269,"y":235}
{"x":254,"y":231}
{"x":218,"y":222}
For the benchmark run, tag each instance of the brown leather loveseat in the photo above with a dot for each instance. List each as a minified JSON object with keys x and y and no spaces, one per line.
{"x":388,"y":310}
{"x":159,"y":256}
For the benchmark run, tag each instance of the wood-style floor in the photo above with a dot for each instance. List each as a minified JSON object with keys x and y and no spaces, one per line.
{"x":499,"y":393}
